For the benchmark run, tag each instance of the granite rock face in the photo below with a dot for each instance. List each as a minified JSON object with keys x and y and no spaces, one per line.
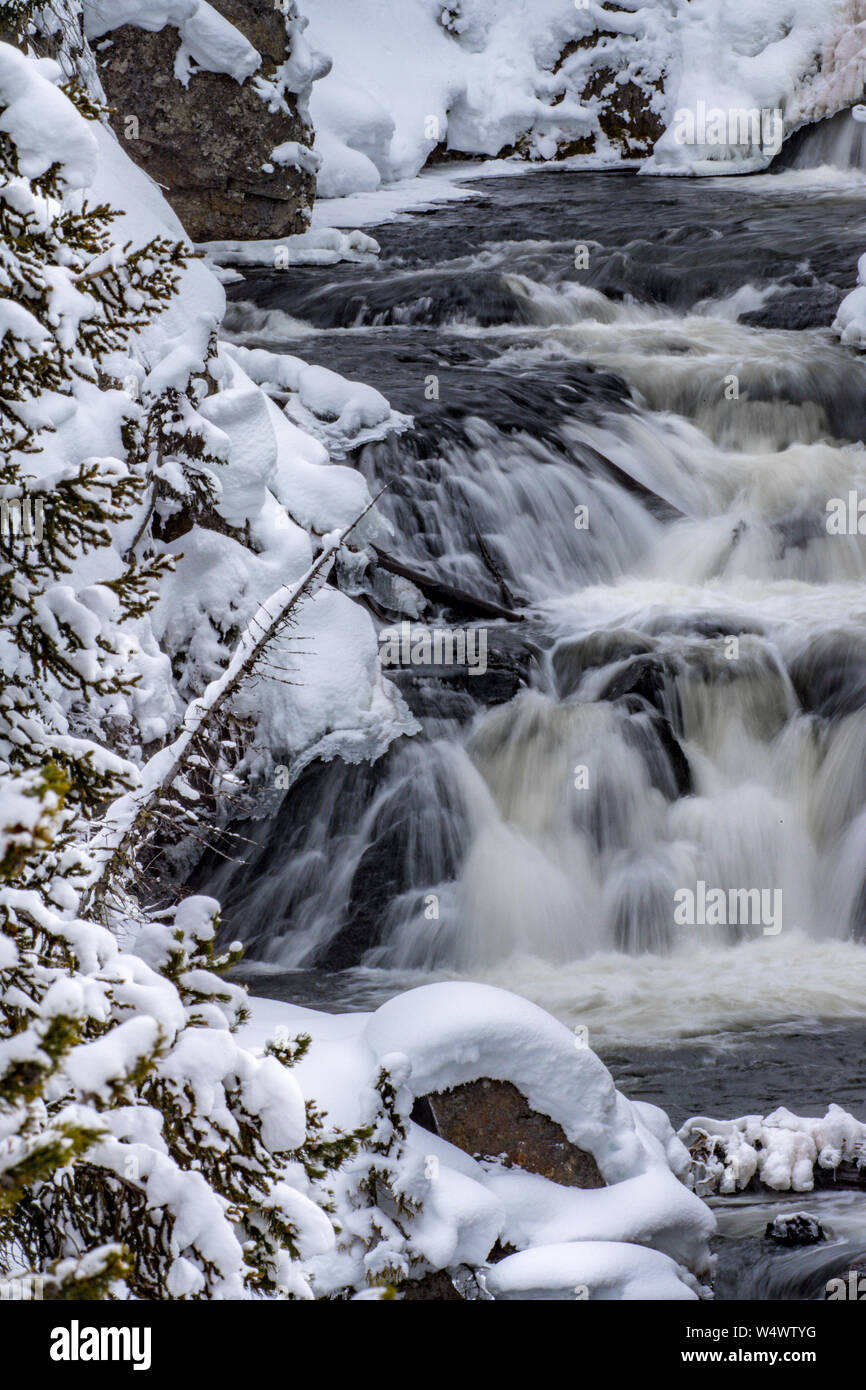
{"x":209,"y":143}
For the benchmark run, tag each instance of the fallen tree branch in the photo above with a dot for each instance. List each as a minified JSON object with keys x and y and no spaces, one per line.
{"x":447,"y":594}
{"x":126,"y":817}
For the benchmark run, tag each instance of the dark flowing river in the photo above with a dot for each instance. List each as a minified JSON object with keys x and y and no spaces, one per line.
{"x":631,"y":424}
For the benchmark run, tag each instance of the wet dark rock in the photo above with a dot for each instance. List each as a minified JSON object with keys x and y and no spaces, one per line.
{"x":795,"y":308}
{"x":653,"y":678}
{"x":626,"y":115}
{"x":436,"y":1287}
{"x":388,"y":869}
{"x":846,"y":1176}
{"x":666,"y":761}
{"x":796,"y":1228}
{"x":829,"y":677}
{"x":457,"y":692}
{"x":494,"y":1120}
{"x":572,"y":659}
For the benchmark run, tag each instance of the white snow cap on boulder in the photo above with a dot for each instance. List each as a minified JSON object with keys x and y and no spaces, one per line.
{"x":644,"y":1235}
{"x":206,"y":36}
{"x":454,"y":1033}
{"x":850,"y":321}
{"x":601,"y":1270}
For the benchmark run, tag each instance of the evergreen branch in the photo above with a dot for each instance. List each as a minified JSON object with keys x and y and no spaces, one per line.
{"x":128,"y":815}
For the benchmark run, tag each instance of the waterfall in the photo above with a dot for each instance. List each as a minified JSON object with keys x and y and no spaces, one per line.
{"x":657,"y":819}
{"x":838,"y":142}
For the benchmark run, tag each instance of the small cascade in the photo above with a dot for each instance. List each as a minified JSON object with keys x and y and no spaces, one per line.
{"x":838,"y":143}
{"x":658,"y":819}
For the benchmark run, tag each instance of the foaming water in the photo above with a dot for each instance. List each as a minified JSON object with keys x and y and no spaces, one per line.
{"x":699,"y":993}
{"x":752,"y":1267}
{"x":640,"y":455}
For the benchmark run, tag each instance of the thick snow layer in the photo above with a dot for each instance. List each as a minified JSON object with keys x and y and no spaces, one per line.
{"x":402,"y":83}
{"x":340,"y":413}
{"x":780,"y":1152}
{"x":630,"y":1239}
{"x":785,"y":56}
{"x":425,"y":191}
{"x":207,"y":38}
{"x":648,"y":1210}
{"x":602,"y":1270}
{"x":482,"y":76}
{"x":323,"y":246}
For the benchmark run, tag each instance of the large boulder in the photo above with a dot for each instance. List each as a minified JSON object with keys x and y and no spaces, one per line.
{"x":231,"y":148}
{"x":493,"y":1119}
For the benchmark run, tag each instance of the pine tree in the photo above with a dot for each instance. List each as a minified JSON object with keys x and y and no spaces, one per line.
{"x":142,"y":1150}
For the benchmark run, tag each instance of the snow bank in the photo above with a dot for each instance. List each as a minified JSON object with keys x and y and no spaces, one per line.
{"x":603,"y":1270}
{"x":645,"y":1235}
{"x":276,"y":489}
{"x":476,"y":76}
{"x":487,"y":77}
{"x":323,"y":246}
{"x":780,"y":1152}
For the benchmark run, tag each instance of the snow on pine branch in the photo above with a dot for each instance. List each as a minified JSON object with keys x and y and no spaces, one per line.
{"x":125,"y":818}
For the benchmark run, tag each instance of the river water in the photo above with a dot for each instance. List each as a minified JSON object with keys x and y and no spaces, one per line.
{"x":631,"y":418}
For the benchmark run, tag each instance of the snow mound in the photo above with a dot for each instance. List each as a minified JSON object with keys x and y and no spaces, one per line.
{"x":643,"y":1235}
{"x":780,"y":1152}
{"x":604,"y":1270}
{"x":340,"y":413}
{"x":850,"y":321}
{"x":476,"y":76}
{"x":323,"y":246}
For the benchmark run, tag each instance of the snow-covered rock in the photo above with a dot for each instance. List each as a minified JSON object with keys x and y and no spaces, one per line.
{"x":850,"y":321}
{"x":644,"y":1234}
{"x":322,"y":246}
{"x":603,"y":1270}
{"x":212,"y":100}
{"x":603,"y":82}
{"x":782,"y":1151}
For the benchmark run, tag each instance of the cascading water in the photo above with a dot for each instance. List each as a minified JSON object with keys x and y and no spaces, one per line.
{"x":837,"y":143}
{"x":685,"y":702}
